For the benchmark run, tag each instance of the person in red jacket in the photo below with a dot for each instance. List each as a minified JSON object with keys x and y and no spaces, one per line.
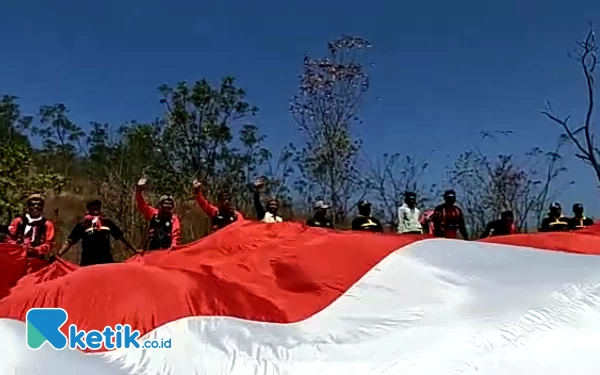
{"x":34,"y":232}
{"x":448,"y":219}
{"x":221,"y":215}
{"x":163,"y":224}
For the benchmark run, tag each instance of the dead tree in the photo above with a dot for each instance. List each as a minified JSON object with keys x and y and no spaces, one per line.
{"x":582,"y":137}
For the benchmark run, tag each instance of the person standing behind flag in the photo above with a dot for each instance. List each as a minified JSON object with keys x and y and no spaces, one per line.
{"x":448,"y":219}
{"x":320,"y":216}
{"x":503,"y":227}
{"x":163,"y":224}
{"x":409,"y":215}
{"x":364,"y":220}
{"x":270,"y":215}
{"x":220,"y":216}
{"x":94,"y":232}
{"x":555,"y":221}
{"x":579,"y":220}
{"x":34,"y":232}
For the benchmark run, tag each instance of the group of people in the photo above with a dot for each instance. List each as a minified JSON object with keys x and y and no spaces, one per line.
{"x":94,"y":231}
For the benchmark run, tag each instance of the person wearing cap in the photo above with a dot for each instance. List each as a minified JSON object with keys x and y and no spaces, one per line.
{"x":555,"y":221}
{"x":409,"y":215}
{"x":34,"y":232}
{"x":221,"y":215}
{"x":448,"y":219}
{"x":94,"y":232}
{"x":579,"y":220}
{"x":270,"y":215}
{"x":163,"y":224}
{"x":502,"y":227}
{"x":364,"y":220}
{"x":320,"y":216}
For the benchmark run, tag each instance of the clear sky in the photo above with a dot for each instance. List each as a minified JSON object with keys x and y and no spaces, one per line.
{"x":443,"y":70}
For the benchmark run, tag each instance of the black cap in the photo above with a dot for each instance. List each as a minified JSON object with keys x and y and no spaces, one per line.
{"x":364,"y":203}
{"x":410,"y":194}
{"x":578,"y":206}
{"x":450,"y":193}
{"x":555,"y":205}
{"x":93,"y":203}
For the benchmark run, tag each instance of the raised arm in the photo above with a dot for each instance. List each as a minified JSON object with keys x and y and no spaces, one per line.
{"x":209,"y":209}
{"x":144,"y":208}
{"x":260,"y":210}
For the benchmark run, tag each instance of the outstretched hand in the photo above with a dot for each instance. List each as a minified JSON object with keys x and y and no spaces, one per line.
{"x":259,"y":183}
{"x":142,"y":182}
{"x":197,"y":185}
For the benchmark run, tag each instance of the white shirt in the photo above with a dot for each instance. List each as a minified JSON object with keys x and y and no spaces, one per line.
{"x":408,"y":219}
{"x":270,"y":218}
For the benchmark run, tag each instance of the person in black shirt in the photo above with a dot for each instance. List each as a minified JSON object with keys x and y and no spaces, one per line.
{"x":320,"y":218}
{"x":364,"y":220}
{"x":503,"y":227}
{"x":94,"y":232}
{"x":555,"y":222}
{"x":579,"y":220}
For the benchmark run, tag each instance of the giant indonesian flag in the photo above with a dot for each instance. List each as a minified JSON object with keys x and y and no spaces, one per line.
{"x":289,"y":300}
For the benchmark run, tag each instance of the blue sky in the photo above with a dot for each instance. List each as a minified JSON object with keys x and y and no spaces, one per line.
{"x":443,"y":70}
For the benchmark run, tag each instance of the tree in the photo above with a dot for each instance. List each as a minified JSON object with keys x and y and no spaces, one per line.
{"x":326,"y":107}
{"x":487,"y":186}
{"x":392,"y":176}
{"x":61,"y":138}
{"x":18,"y":175}
{"x":583,"y":136}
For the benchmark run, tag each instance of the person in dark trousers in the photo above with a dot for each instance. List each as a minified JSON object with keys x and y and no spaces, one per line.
{"x":163,"y":224}
{"x":221,"y":215}
{"x":34,"y":232}
{"x":364,"y":221}
{"x":579,"y":220}
{"x":270,"y":214}
{"x":502,"y":227}
{"x":555,"y":221}
{"x":94,"y":232}
{"x":448,"y":219}
{"x":320,"y":216}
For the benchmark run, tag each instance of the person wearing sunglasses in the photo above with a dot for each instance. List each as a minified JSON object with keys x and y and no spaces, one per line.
{"x":34,"y":232}
{"x":163,"y":225}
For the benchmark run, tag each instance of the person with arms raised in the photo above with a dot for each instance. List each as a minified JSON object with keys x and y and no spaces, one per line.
{"x":221,"y":215}
{"x":320,"y":218}
{"x":163,"y":224}
{"x":270,"y":215}
{"x":448,"y":219}
{"x":34,"y":232}
{"x":94,"y":232}
{"x":364,"y":221}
